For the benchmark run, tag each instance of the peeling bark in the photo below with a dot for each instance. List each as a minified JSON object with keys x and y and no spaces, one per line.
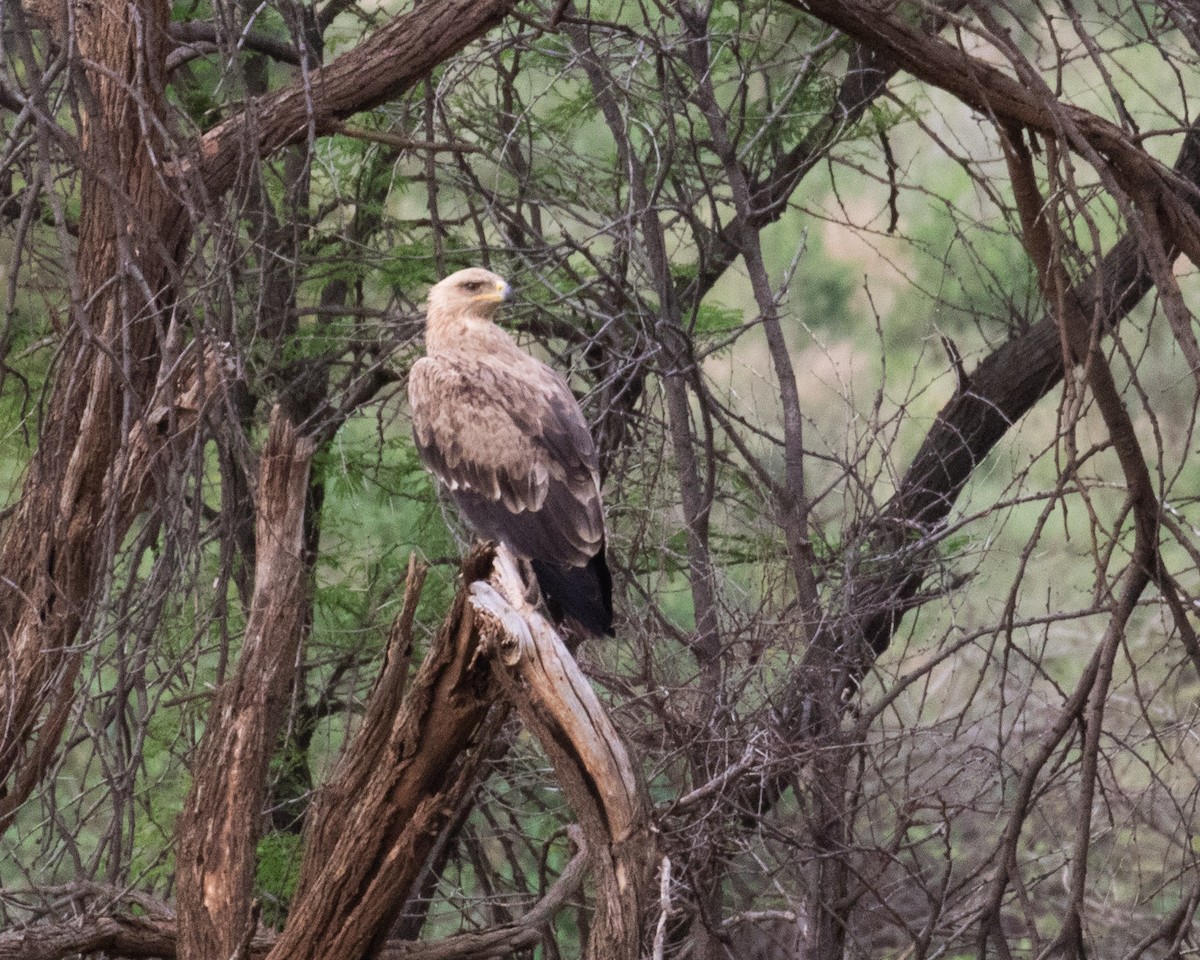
{"x":373,"y":825}
{"x":411,"y":761}
{"x":71,"y":515}
{"x":83,"y":488}
{"x":220,"y":821}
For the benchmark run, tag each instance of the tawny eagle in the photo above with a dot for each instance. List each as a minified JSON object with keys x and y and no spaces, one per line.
{"x":503,"y":432}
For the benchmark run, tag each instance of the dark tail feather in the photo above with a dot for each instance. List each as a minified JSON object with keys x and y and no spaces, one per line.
{"x":582,"y":593}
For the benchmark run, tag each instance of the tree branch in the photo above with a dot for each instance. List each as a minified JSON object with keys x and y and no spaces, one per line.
{"x":1004,"y":386}
{"x":220,"y":823}
{"x":866,"y":78}
{"x":394,"y":58}
{"x":129,"y":936}
{"x":557,"y":704}
{"x":375,"y":822}
{"x":994,"y":93}
{"x":205,"y":32}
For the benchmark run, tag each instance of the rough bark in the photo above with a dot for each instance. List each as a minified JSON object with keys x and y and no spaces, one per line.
{"x":415,"y":757}
{"x":72,"y":515}
{"x":80,"y":494}
{"x":130,"y":936}
{"x":375,"y":822}
{"x":219,"y":826}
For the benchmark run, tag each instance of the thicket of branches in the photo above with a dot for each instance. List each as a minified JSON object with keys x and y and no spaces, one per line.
{"x":880,"y":314}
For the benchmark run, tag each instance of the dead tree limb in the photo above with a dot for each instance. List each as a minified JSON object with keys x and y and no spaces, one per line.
{"x":374,"y":824}
{"x":558,"y":705}
{"x":220,"y":823}
{"x":416,"y":756}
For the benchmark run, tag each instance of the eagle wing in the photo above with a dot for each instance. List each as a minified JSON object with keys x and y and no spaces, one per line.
{"x":507,"y":438}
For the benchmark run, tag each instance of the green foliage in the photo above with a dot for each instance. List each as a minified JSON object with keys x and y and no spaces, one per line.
{"x":278,"y":871}
{"x":197,"y":93}
{"x":824,"y":297}
{"x":410,"y":266}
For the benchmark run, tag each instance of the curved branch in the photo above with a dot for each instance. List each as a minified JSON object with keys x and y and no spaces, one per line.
{"x":867,"y":76}
{"x":205,"y":32}
{"x":993,"y":92}
{"x":1004,"y":386}
{"x":559,"y":707}
{"x":394,"y":58}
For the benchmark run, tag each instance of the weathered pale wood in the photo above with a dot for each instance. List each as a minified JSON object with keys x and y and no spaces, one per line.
{"x":557,"y":704}
{"x":406,"y":768}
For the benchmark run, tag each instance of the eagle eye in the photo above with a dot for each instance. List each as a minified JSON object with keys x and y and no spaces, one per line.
{"x":473,"y":285}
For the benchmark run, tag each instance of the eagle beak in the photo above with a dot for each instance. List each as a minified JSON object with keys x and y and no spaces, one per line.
{"x":498,"y":295}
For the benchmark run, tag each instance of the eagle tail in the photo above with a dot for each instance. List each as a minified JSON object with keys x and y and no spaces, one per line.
{"x":583,"y":594}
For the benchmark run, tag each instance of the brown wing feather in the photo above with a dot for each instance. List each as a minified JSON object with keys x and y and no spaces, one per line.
{"x":506,"y":436}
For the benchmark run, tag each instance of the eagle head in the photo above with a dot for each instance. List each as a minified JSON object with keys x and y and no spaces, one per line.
{"x":471,"y":292}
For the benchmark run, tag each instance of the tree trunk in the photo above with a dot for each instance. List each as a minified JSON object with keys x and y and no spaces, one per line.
{"x":76,"y":505}
{"x":375,"y":822}
{"x":219,"y":829}
{"x":79,"y":495}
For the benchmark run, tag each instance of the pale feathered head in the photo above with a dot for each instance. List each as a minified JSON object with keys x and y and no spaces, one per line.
{"x":471,"y":292}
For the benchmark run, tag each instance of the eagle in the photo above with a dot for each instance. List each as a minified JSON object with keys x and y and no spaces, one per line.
{"x":503,"y":432}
